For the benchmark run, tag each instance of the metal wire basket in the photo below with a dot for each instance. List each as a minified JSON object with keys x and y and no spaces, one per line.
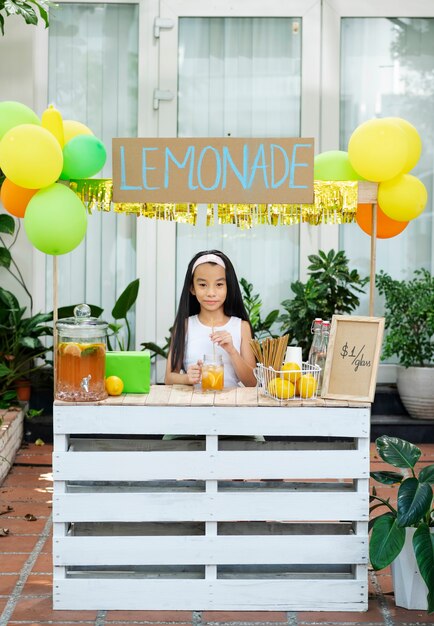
{"x":284,"y":385}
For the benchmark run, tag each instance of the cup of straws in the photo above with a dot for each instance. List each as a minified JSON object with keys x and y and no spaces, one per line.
{"x":270,"y":352}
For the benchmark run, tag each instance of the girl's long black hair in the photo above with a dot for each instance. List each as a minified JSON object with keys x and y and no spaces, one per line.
{"x":188,"y":305}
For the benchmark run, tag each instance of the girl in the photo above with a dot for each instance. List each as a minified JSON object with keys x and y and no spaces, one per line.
{"x":211,"y":311}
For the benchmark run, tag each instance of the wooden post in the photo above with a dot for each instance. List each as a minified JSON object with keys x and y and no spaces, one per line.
{"x":373,"y":259}
{"x":367,"y":194}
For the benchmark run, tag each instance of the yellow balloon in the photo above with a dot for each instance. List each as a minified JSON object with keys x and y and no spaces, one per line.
{"x":414,"y":142}
{"x":30,"y":156}
{"x":378,"y":149}
{"x":403,"y":198}
{"x":52,"y":120}
{"x":71,"y":129}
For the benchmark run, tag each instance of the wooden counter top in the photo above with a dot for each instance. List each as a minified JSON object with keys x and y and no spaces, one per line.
{"x":185,"y":395}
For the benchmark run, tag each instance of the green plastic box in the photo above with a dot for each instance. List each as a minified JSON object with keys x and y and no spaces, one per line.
{"x":134,"y":368}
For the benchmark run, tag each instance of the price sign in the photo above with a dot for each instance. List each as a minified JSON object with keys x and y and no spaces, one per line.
{"x":353,"y":354}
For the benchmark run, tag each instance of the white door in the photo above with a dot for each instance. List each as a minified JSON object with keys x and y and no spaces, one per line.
{"x":235,"y":69}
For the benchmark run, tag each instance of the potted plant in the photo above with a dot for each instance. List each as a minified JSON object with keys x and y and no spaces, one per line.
{"x":409,"y":322}
{"x":403,"y":536}
{"x":21,"y":349}
{"x":331,"y":288}
{"x":253,"y":303}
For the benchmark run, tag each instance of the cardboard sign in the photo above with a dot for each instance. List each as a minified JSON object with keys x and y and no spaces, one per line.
{"x":223,"y":170}
{"x":353,"y":354}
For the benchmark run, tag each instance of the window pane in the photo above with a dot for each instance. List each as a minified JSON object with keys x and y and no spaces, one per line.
{"x":93,"y":77}
{"x":241,"y":77}
{"x":386,"y":70}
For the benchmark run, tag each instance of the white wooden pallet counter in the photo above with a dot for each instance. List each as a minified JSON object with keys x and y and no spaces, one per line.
{"x":215,"y":522}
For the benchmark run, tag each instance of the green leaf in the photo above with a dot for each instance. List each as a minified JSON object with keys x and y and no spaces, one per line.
{"x":23,"y":9}
{"x":126,"y":300}
{"x":36,"y":320}
{"x":154,"y":349}
{"x":91,"y":350}
{"x":397,"y":452}
{"x":414,"y":501}
{"x":7,"y":399}
{"x":9,"y":300}
{"x":32,"y":343}
{"x":42,"y":6}
{"x":271,"y":318}
{"x":427,"y":474}
{"x":4,"y":370}
{"x":68,"y":311}
{"x":9,"y":395}
{"x":423,"y":544}
{"x":10,"y":7}
{"x":7,"y":224}
{"x":5,"y":258}
{"x":387,"y":478}
{"x":387,"y":540}
{"x":115,"y":328}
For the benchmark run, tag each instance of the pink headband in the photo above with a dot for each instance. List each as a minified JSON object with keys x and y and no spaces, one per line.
{"x":208,"y":258}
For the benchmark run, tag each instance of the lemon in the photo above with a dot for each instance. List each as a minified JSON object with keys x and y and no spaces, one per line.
{"x":114,"y":385}
{"x":293,"y":372}
{"x":218,"y":381}
{"x":281,"y":388}
{"x":306,"y":386}
{"x":70,"y":348}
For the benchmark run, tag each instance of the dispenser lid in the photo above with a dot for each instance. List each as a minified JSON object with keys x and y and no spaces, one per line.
{"x":82,"y":322}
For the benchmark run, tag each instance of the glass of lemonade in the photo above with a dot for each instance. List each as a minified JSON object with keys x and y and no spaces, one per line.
{"x":80,"y":371}
{"x":212,"y":373}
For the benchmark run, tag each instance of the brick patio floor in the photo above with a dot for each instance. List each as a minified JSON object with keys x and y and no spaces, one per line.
{"x":26,"y":578}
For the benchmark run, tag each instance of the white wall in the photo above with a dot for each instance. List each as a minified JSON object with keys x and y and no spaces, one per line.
{"x":17,"y":57}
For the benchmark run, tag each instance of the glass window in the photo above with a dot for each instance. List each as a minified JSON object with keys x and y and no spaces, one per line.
{"x":387,"y":70}
{"x":93,"y":78}
{"x":241,"y":77}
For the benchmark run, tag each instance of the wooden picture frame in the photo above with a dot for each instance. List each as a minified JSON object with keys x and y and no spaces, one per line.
{"x":350,"y":371}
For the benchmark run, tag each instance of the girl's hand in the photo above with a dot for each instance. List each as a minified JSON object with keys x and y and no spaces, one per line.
{"x":223,"y":339}
{"x":194,"y":373}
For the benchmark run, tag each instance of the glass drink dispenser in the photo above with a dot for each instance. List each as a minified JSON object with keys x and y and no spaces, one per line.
{"x":81,"y":347}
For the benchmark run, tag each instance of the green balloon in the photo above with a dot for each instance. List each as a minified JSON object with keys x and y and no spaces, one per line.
{"x":55,"y":220}
{"x":13,"y":114}
{"x":83,"y":157}
{"x":334,"y":165}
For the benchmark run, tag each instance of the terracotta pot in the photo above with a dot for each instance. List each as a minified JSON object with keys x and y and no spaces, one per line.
{"x":23,"y":389}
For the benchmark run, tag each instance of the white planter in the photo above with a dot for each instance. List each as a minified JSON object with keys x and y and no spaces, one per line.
{"x":416,"y":389}
{"x":409,"y":587}
{"x":11,"y":436}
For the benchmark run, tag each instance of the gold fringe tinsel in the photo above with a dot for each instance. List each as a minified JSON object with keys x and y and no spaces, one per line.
{"x":335,"y":203}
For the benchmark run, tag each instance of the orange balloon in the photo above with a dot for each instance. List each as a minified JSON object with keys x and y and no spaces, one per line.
{"x":14,"y":198}
{"x":386,"y":227}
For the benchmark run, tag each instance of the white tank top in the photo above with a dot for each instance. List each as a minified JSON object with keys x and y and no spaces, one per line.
{"x":198,"y":343}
